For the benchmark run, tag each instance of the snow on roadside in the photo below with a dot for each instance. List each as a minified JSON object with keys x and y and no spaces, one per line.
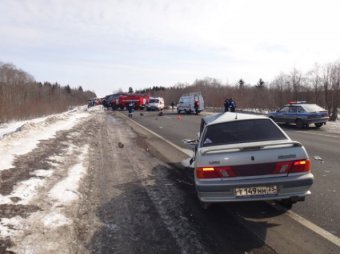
{"x":333,"y":127}
{"x":28,"y":189}
{"x":43,"y":225}
{"x":21,"y":137}
{"x":26,"y":137}
{"x":66,"y":190}
{"x":14,"y":126}
{"x":25,"y":190}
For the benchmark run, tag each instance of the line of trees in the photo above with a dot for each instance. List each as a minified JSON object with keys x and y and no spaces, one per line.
{"x":321,"y":85}
{"x":21,"y":97}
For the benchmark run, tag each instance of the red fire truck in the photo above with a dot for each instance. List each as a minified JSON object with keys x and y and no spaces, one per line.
{"x":122,"y":102}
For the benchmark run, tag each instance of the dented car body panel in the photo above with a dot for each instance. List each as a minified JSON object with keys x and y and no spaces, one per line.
{"x":242,"y":157}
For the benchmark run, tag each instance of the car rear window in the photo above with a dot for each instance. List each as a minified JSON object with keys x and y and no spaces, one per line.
{"x":313,"y":108}
{"x":242,"y":131}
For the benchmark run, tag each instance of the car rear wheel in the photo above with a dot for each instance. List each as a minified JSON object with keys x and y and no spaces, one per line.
{"x":318,"y":125}
{"x":299,"y":124}
{"x":205,"y":205}
{"x":287,"y":203}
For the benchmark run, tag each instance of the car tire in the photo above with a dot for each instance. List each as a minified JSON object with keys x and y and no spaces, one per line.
{"x":287,"y":203}
{"x":299,"y":124}
{"x":318,"y":125}
{"x":205,"y":205}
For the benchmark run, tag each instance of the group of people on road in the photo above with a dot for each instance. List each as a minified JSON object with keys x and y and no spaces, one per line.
{"x":229,"y":105}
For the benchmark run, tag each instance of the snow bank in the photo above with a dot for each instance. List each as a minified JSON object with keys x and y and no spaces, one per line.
{"x":66,"y":191}
{"x":28,"y":134}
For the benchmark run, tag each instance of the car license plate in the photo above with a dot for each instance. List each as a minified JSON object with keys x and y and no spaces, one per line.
{"x":256,"y":191}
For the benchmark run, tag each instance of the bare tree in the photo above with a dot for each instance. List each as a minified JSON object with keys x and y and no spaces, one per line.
{"x":22,"y":98}
{"x":315,"y":80}
{"x":296,"y":82}
{"x":327,"y":83}
{"x":335,"y":93}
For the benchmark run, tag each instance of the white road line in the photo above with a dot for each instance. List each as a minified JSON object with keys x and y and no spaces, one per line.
{"x":318,"y":134}
{"x":320,"y":231}
{"x":308,"y":224}
{"x":185,"y":151}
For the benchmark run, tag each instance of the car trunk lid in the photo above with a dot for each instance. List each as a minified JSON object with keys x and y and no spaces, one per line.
{"x":252,"y":159}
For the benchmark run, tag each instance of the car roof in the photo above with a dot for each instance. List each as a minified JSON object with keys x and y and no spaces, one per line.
{"x":299,"y":104}
{"x":230,"y":117}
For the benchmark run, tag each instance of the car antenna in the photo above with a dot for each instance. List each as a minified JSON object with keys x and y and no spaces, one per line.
{"x":235,"y":116}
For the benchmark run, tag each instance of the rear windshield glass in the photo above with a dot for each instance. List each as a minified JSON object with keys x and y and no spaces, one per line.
{"x":241,"y":132}
{"x":313,"y":108}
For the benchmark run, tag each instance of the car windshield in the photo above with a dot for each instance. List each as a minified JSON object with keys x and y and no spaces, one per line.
{"x":154,"y":101}
{"x":313,"y":108}
{"x":244,"y":131}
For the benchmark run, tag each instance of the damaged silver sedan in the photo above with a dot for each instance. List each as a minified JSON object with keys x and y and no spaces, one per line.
{"x":243,"y":157}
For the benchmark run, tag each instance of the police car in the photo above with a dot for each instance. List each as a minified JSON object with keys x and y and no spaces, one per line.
{"x":301,"y":113}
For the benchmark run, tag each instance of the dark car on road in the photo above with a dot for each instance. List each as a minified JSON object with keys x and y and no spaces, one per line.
{"x":300,"y":113}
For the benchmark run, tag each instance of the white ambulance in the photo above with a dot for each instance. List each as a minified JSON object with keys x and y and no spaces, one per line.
{"x":187,"y":103}
{"x":155,"y":103}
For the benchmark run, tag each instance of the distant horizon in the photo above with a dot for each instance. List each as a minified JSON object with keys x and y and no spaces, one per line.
{"x":126,"y":89}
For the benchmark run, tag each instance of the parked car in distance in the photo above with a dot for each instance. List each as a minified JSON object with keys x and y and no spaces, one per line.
{"x":243,"y":157}
{"x":187,"y":103}
{"x":107,"y":101}
{"x":155,"y":103}
{"x":94,"y":102}
{"x":300,"y":113}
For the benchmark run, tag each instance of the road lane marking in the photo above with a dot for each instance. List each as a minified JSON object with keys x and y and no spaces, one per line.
{"x":320,"y":231}
{"x":306,"y":223}
{"x":318,"y":134}
{"x":310,"y":225}
{"x":185,"y":151}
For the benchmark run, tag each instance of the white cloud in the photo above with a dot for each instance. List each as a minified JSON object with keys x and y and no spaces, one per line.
{"x":245,"y":36}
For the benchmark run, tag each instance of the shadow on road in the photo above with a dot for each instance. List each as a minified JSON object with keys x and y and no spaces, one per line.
{"x":162,"y":215}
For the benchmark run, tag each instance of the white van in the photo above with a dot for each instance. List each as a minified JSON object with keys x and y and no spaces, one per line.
{"x":187,"y":103}
{"x":155,"y":103}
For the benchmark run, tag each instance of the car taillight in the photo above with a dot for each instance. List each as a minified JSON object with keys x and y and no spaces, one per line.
{"x":300,"y":166}
{"x":283,"y":167}
{"x":292,"y":167}
{"x":214,"y":172}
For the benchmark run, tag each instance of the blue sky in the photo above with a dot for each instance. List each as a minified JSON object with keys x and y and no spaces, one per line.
{"x":109,"y":45}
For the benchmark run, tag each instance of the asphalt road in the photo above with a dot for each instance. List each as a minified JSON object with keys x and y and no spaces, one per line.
{"x":322,"y":207}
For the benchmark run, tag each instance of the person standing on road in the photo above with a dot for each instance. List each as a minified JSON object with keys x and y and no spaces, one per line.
{"x":226,"y":105}
{"x":232,"y":105}
{"x":172,"y":105}
{"x":196,"y":106}
{"x":130,"y":109}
